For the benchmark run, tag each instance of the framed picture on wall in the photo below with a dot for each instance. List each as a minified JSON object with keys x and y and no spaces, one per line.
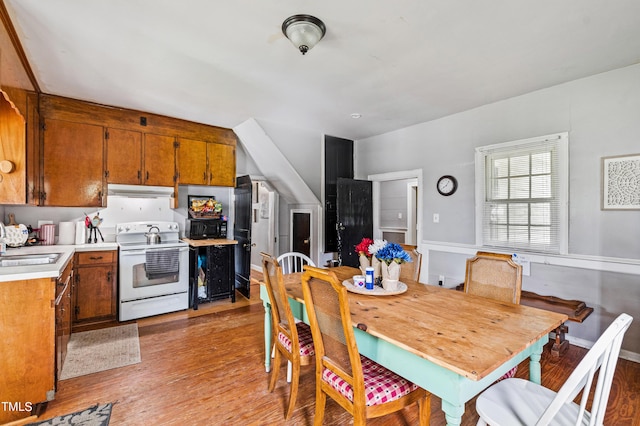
{"x":621,"y":182}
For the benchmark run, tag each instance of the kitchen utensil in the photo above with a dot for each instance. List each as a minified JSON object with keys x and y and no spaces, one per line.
{"x":153,"y":237}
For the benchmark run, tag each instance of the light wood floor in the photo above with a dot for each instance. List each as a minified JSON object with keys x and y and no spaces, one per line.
{"x":206,"y":367}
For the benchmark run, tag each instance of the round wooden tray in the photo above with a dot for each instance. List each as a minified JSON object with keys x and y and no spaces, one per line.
{"x":377,"y":291}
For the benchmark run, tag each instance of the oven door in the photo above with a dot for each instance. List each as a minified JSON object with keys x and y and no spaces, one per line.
{"x":151,"y":272}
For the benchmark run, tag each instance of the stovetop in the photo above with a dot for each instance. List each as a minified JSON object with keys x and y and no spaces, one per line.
{"x":131,"y":235}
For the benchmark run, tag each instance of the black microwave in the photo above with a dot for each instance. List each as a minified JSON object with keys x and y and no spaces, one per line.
{"x":202,"y":229}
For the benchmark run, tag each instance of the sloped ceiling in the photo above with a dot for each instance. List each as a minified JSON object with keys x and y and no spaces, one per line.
{"x":396,"y":63}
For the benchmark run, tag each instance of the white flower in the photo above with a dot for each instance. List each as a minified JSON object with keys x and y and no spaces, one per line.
{"x":377,"y":245}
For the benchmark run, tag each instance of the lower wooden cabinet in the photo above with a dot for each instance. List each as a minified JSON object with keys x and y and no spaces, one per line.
{"x":64,"y":291}
{"x":27,"y":352}
{"x":96,"y":288}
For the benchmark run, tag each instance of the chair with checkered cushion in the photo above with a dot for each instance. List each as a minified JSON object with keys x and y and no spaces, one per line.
{"x":292,"y":340}
{"x":361,"y":386}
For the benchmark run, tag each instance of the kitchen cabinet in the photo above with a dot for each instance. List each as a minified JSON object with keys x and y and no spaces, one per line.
{"x":206,"y":163}
{"x":12,"y":154}
{"x":64,"y":290}
{"x":211,"y":270}
{"x":95,"y":292}
{"x":159,"y":160}
{"x":124,"y":156}
{"x":222,"y":164}
{"x":72,"y":164}
{"x":27,"y":332}
{"x":135,"y":158}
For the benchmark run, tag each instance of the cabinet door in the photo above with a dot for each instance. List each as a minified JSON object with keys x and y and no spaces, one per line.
{"x":192,"y":162}
{"x":95,"y":293}
{"x":124,"y":157}
{"x":13,"y":189}
{"x":72,"y":164}
{"x":159,"y":160}
{"x":222,"y":164}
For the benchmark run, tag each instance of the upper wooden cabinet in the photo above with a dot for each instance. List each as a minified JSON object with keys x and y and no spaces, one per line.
{"x":72,"y":168}
{"x":192,"y":162}
{"x":222,"y":164}
{"x":124,"y":156}
{"x":135,"y":158}
{"x":206,"y":163}
{"x":13,"y":170}
{"x":159,"y":160}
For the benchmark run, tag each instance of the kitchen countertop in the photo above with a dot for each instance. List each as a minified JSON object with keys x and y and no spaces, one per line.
{"x":51,"y":270}
{"x":209,"y":242}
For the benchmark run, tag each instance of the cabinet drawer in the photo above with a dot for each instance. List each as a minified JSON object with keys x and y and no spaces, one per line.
{"x":96,"y":257}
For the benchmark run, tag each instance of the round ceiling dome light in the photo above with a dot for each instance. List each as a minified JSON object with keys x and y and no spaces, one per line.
{"x":304,"y":31}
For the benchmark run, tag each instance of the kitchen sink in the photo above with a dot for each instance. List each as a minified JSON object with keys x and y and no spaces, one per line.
{"x":29,"y":259}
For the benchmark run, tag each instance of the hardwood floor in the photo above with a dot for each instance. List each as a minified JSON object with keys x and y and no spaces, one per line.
{"x":206,"y":367}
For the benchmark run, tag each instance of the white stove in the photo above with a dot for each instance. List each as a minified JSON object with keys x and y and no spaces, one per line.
{"x":154,"y":278}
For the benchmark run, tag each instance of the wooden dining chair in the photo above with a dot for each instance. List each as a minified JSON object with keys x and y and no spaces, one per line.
{"x":518,"y":401}
{"x":411,"y":270}
{"x":294,"y":262}
{"x":292,"y":340}
{"x":361,"y":386}
{"x":495,"y":276}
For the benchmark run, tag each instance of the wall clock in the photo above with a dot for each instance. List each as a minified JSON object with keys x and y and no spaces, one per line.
{"x":447,"y":185}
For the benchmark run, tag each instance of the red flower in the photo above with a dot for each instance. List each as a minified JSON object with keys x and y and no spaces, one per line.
{"x":363,"y":247}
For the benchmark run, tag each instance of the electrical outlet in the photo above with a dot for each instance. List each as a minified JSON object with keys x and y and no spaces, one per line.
{"x":440,"y":279}
{"x":436,"y":218}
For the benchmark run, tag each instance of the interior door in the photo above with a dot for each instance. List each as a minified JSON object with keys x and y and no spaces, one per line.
{"x":301,"y":231}
{"x":355,"y":217}
{"x":242,"y":234}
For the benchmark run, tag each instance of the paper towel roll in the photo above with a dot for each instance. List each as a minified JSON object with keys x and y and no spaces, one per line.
{"x":66,"y":233}
{"x":81,"y":230}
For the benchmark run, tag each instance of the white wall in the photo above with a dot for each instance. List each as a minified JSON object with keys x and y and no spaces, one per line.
{"x":601,"y":114}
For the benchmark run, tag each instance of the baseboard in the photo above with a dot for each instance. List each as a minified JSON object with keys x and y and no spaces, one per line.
{"x":587,"y":344}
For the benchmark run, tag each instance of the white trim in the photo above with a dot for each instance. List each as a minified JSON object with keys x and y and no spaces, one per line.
{"x":587,"y":344}
{"x":596,"y":263}
{"x":398,"y":175}
{"x":563,"y":179}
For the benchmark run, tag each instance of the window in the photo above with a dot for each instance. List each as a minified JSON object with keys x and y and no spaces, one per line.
{"x":522,"y":193}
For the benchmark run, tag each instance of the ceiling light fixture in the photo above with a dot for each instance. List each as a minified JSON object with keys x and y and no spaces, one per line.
{"x":356,"y":115}
{"x":304,"y":31}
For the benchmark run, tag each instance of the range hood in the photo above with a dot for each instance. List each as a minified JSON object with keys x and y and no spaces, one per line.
{"x":139,"y":191}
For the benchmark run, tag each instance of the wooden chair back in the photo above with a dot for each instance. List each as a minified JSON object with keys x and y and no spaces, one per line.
{"x":294,"y":262}
{"x":285,"y":329}
{"x":411,"y":270}
{"x":495,"y":276}
{"x":327,"y":306}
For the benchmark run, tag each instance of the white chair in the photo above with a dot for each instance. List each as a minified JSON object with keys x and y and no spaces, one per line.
{"x":520,"y":402}
{"x":294,"y":262}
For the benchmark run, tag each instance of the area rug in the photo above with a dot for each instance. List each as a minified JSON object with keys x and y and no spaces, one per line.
{"x":98,"y":415}
{"x":99,"y":350}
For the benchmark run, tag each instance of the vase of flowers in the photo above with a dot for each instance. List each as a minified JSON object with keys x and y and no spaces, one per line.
{"x":391,"y":256}
{"x":364,"y":256}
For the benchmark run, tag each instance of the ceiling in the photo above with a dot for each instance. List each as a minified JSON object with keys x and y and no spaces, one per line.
{"x":397,"y":63}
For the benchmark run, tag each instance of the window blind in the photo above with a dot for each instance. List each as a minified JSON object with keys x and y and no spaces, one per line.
{"x":523,"y":194}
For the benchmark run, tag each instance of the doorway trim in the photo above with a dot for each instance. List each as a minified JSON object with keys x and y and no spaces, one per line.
{"x":399,"y":175}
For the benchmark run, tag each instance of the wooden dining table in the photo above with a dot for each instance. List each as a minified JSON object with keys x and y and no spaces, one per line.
{"x":448,"y":342}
